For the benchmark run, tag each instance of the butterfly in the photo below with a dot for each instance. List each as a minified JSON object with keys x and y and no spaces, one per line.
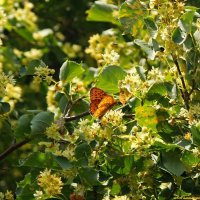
{"x":100,"y":103}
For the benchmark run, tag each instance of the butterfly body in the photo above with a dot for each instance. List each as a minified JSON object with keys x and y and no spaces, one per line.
{"x":101,"y":102}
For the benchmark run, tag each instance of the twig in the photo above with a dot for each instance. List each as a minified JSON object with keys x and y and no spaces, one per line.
{"x":72,"y":104}
{"x":12,"y":148}
{"x":71,"y":118}
{"x":185,"y":94}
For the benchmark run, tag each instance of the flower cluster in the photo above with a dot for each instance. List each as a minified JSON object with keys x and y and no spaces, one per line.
{"x":4,"y":80}
{"x":132,"y":85}
{"x":31,"y":55}
{"x":141,"y":139}
{"x":110,"y":57}
{"x":88,"y":130}
{"x":72,"y":50}
{"x":155,"y":75}
{"x":100,"y":47}
{"x":41,"y":34}
{"x":52,"y":132}
{"x":50,"y":98}
{"x":26,"y":15}
{"x":168,"y":19}
{"x":79,"y":190}
{"x":69,"y":152}
{"x":189,"y":116}
{"x":77,"y":86}
{"x":51,"y":147}
{"x":50,"y":183}
{"x":3,"y":18}
{"x":13,"y":94}
{"x":114,"y":118}
{"x":43,"y":73}
{"x":7,"y":196}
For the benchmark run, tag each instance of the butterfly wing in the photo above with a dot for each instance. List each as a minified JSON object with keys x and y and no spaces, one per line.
{"x":106,"y":103}
{"x":96,"y":95}
{"x":100,"y":102}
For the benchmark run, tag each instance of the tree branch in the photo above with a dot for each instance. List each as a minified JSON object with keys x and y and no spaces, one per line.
{"x":71,"y":118}
{"x":185,"y":94}
{"x":12,"y":148}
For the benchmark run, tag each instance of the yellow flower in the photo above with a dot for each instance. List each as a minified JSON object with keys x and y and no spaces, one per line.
{"x":114,"y":117}
{"x":69,"y":152}
{"x":9,"y":195}
{"x":4,"y":81}
{"x":50,"y":183}
{"x":13,"y":94}
{"x":52,"y":132}
{"x":88,"y":130}
{"x":44,"y":73}
{"x":187,"y":136}
{"x":38,"y":194}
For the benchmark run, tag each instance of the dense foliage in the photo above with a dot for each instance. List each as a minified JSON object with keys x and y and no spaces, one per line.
{"x":145,"y":55}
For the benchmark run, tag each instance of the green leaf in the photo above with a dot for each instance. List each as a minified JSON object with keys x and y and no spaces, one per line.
{"x":4,"y":107}
{"x":116,"y":189}
{"x":195,"y":135}
{"x":185,"y":22}
{"x":82,"y":150}
{"x":70,"y":70}
{"x":102,"y":12}
{"x":108,"y":79}
{"x":23,"y":125}
{"x":158,"y":146}
{"x":131,"y":16}
{"x":24,"y":33}
{"x":40,"y":160}
{"x":62,"y":102}
{"x":189,"y":159}
{"x":159,"y":88}
{"x":89,"y":176}
{"x":27,"y":180}
{"x":151,"y":26}
{"x":159,"y":91}
{"x":141,"y":72}
{"x":41,"y":121}
{"x":147,"y":48}
{"x":63,"y":162}
{"x":26,"y":192}
{"x":171,"y":161}
{"x":179,"y":36}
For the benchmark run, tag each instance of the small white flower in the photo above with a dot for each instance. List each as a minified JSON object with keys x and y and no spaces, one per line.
{"x":38,"y":194}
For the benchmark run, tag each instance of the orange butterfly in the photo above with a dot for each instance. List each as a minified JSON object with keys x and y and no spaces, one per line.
{"x":100,"y":102}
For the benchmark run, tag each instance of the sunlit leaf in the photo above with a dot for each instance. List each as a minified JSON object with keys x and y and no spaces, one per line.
{"x":185,"y":22}
{"x":70,"y":70}
{"x":131,"y":15}
{"x":102,"y":12}
{"x":108,"y":79}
